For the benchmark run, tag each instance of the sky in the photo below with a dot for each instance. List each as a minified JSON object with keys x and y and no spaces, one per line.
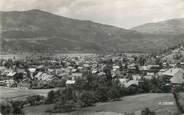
{"x":120,"y":13}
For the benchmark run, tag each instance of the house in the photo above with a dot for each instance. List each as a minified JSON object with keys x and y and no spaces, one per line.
{"x":123,"y":80}
{"x":116,"y":67}
{"x":116,"y":73}
{"x":144,"y":68}
{"x":154,"y":68}
{"x":70,"y":82}
{"x":11,"y":74}
{"x":7,"y":83}
{"x":44,"y":76}
{"x":101,"y":74}
{"x":127,"y":83}
{"x":174,"y":75}
{"x":136,"y":77}
{"x":131,"y":82}
{"x":6,"y":72}
{"x":177,"y":80}
{"x":32,"y":70}
{"x":94,"y":71}
{"x":38,"y":75}
{"x":160,"y":73}
{"x":173,"y":72}
{"x":149,"y":76}
{"x":24,"y":84}
{"x":77,"y":75}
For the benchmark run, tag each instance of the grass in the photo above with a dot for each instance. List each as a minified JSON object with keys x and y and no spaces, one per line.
{"x":128,"y":104}
{"x":15,"y":93}
{"x":139,"y":102}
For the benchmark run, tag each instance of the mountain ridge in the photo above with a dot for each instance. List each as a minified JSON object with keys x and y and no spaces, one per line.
{"x":37,"y":31}
{"x":170,"y":27}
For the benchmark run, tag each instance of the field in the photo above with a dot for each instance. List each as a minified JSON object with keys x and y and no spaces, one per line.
{"x":15,"y":93}
{"x":126,"y":105}
{"x":23,"y":56}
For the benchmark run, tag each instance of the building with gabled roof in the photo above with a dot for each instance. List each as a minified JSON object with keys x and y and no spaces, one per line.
{"x":175,"y":75}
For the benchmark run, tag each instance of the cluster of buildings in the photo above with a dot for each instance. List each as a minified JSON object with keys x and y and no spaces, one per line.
{"x":128,"y":69}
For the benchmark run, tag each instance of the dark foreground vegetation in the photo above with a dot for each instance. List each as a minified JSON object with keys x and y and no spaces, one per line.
{"x":16,"y":106}
{"x":93,"y":89}
{"x":87,"y":91}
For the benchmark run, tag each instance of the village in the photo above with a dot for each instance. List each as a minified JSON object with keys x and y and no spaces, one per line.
{"x":50,"y":72}
{"x":79,"y":81}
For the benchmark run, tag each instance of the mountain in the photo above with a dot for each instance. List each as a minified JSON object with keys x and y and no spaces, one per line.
{"x":169,"y":27}
{"x":39,"y":31}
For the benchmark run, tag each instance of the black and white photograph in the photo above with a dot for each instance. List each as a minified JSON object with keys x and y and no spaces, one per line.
{"x":91,"y":57}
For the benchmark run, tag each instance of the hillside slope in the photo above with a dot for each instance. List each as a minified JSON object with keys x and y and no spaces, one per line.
{"x":170,"y":27}
{"x":35,"y":30}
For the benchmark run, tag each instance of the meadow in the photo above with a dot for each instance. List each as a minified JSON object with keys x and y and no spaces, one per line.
{"x":16,"y":93}
{"x":127,"y":105}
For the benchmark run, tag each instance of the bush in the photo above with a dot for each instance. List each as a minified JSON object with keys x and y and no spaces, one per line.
{"x":68,"y":106}
{"x":101,"y":94}
{"x":50,"y":97}
{"x":147,"y":111}
{"x":58,"y":83}
{"x":132,"y":90}
{"x":145,"y":85}
{"x":156,"y":90}
{"x":12,"y":107}
{"x":5,"y":108}
{"x":35,"y":100}
{"x":87,"y":98}
{"x":114,"y":93}
{"x":36,"y":84}
{"x":17,"y":107}
{"x":165,"y":89}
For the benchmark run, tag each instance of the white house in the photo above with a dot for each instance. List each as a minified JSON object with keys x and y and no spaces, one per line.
{"x":176,"y":75}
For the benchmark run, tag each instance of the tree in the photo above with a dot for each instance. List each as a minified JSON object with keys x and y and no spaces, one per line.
{"x":5,"y":108}
{"x":50,"y":97}
{"x":147,"y":111}
{"x":18,"y":77}
{"x":107,"y":71}
{"x":101,"y":94}
{"x":145,"y":85}
{"x":114,"y":93}
{"x":17,"y":107}
{"x":11,"y":108}
{"x":35,"y":100}
{"x":87,"y":98}
{"x":68,"y":106}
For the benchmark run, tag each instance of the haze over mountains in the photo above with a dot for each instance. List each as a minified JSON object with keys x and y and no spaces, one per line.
{"x":40,"y":31}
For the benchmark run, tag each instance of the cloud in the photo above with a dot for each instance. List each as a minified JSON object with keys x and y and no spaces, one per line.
{"x":122,"y":13}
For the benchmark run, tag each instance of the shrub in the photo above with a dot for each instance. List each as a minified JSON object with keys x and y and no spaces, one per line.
{"x":5,"y":108}
{"x":114,"y":93}
{"x":132,"y":90}
{"x":35,"y":100}
{"x":68,"y":106}
{"x":156,"y":90}
{"x":87,"y":98}
{"x":58,"y":83}
{"x":101,"y":94}
{"x":147,"y":111}
{"x":17,"y":107}
{"x":50,"y":97}
{"x":12,"y":107}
